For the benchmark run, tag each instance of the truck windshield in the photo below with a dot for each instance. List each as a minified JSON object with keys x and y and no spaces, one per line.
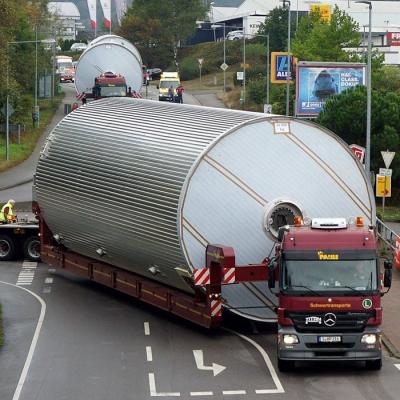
{"x":344,"y":276}
{"x":112,"y":91}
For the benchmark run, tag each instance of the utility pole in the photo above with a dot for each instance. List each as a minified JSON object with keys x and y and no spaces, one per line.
{"x":288,"y":62}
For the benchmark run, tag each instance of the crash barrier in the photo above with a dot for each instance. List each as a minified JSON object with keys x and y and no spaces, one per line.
{"x":391,"y":239}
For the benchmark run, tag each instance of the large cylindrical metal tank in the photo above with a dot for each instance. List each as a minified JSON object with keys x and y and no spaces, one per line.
{"x":152,"y":183}
{"x":109,"y":53}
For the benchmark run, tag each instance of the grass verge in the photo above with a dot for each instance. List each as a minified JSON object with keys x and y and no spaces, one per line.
{"x":392,"y":214}
{"x":20,"y":152}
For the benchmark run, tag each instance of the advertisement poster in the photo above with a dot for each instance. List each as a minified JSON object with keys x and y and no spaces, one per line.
{"x":317,"y":81}
{"x":279,"y":66}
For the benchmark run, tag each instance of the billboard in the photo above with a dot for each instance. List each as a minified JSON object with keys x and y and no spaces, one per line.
{"x":279,"y":66}
{"x":393,"y":38}
{"x":317,"y":81}
{"x":324,"y":11}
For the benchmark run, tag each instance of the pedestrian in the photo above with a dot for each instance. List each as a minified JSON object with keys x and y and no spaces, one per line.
{"x":171,"y":93}
{"x":129,"y":94}
{"x":6,"y":215}
{"x":179,"y":93}
{"x":83,"y":98}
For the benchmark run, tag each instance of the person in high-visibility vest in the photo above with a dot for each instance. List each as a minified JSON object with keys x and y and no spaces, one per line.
{"x":6,"y":214}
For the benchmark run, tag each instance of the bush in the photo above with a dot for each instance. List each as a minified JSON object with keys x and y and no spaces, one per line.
{"x":256,"y":91}
{"x":189,"y":69}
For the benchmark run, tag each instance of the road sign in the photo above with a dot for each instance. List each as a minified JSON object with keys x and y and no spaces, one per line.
{"x":224,"y":66}
{"x":200,"y":60}
{"x":10,"y":110}
{"x":239,"y":75}
{"x":385,"y":172}
{"x":359,"y":151}
{"x":268,"y":108}
{"x":383,"y":186}
{"x":387,"y":157}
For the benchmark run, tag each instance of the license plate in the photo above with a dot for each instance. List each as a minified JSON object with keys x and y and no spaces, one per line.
{"x":329,"y":339}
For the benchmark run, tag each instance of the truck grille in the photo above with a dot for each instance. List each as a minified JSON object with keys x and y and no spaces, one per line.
{"x":345,"y":321}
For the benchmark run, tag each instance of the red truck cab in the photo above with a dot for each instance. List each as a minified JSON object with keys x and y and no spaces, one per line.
{"x":109,"y":85}
{"x":329,"y":293}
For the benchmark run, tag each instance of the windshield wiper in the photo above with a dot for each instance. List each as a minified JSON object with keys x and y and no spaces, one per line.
{"x":305,"y":287}
{"x":353,"y":289}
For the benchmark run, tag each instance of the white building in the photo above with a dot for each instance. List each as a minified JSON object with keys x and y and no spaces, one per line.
{"x":385,"y":18}
{"x":68,"y":16}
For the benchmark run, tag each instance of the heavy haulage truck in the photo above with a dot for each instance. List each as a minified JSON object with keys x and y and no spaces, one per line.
{"x":136,"y":195}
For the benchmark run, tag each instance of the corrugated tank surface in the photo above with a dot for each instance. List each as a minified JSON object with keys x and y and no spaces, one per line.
{"x":111,"y":173}
{"x":152,"y":183}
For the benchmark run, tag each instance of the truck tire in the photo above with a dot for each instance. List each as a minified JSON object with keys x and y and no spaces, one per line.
{"x":374,"y":365}
{"x":31,"y":248}
{"x":7,"y":248}
{"x":285,"y":365}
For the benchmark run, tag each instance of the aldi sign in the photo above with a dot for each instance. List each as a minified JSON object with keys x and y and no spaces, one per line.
{"x":279,"y":60}
{"x":393,"y":38}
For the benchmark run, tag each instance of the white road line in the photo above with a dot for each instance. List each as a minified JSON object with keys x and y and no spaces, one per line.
{"x":23,"y":283}
{"x":32,"y":264}
{"x":146,"y":328}
{"x":48,"y":280}
{"x":52,"y":270}
{"x":279,"y":387}
{"x":26,"y":274}
{"x":266,"y":391}
{"x":46,"y":290}
{"x":233,"y":392}
{"x":397,"y":366}
{"x":35,"y":339}
{"x":153,"y":390}
{"x":201,"y":393}
{"x":149,"y":353}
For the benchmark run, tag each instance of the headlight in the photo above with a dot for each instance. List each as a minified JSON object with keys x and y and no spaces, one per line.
{"x":290,"y":339}
{"x":369,"y":338}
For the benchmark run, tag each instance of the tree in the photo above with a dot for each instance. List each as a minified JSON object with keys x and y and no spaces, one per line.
{"x":159,"y":28}
{"x":345,"y":114}
{"x":320,"y":40}
{"x":276,"y":26}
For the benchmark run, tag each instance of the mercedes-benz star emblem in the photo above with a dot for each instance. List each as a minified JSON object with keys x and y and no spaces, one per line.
{"x":329,"y":319}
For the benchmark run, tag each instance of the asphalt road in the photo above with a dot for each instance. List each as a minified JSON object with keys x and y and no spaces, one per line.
{"x":78,"y":340}
{"x":97,"y":344}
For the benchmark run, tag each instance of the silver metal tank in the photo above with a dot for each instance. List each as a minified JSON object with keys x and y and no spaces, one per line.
{"x":149,"y":184}
{"x":109,"y":53}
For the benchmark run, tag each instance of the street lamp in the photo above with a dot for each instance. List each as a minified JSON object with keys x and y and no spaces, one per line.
{"x":224,"y":69}
{"x":368,"y":139}
{"x":287,"y":2}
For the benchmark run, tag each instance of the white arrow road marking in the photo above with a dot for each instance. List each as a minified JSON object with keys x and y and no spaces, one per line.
{"x":397,"y":366}
{"x":216,"y":368}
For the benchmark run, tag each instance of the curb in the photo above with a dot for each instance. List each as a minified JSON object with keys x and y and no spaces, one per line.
{"x":390,"y":347}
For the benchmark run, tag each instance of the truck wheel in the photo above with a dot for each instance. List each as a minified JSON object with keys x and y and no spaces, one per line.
{"x":7,"y":248}
{"x":285,"y":365}
{"x":32,"y":248}
{"x":374,"y":365}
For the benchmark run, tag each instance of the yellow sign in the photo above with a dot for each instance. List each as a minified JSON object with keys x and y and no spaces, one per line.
{"x":279,"y":66}
{"x":330,"y":305}
{"x":244,"y":65}
{"x":324,"y":11}
{"x":383,"y":186}
{"x":327,"y":257}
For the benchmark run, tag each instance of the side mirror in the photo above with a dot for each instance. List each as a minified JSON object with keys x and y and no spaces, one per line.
{"x":387,"y":264}
{"x":387,"y":278}
{"x":272,"y":275}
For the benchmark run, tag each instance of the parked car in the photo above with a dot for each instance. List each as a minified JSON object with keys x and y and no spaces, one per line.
{"x":154,"y":73}
{"x":235,"y":35}
{"x":78,"y":47}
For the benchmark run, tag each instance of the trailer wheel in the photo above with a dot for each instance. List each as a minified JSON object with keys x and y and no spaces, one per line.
{"x":285,"y":365}
{"x":31,"y":248}
{"x":374,"y":365}
{"x":7,"y":248}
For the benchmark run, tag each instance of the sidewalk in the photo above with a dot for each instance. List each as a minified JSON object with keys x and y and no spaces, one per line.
{"x":391,"y":312}
{"x":23,"y":173}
